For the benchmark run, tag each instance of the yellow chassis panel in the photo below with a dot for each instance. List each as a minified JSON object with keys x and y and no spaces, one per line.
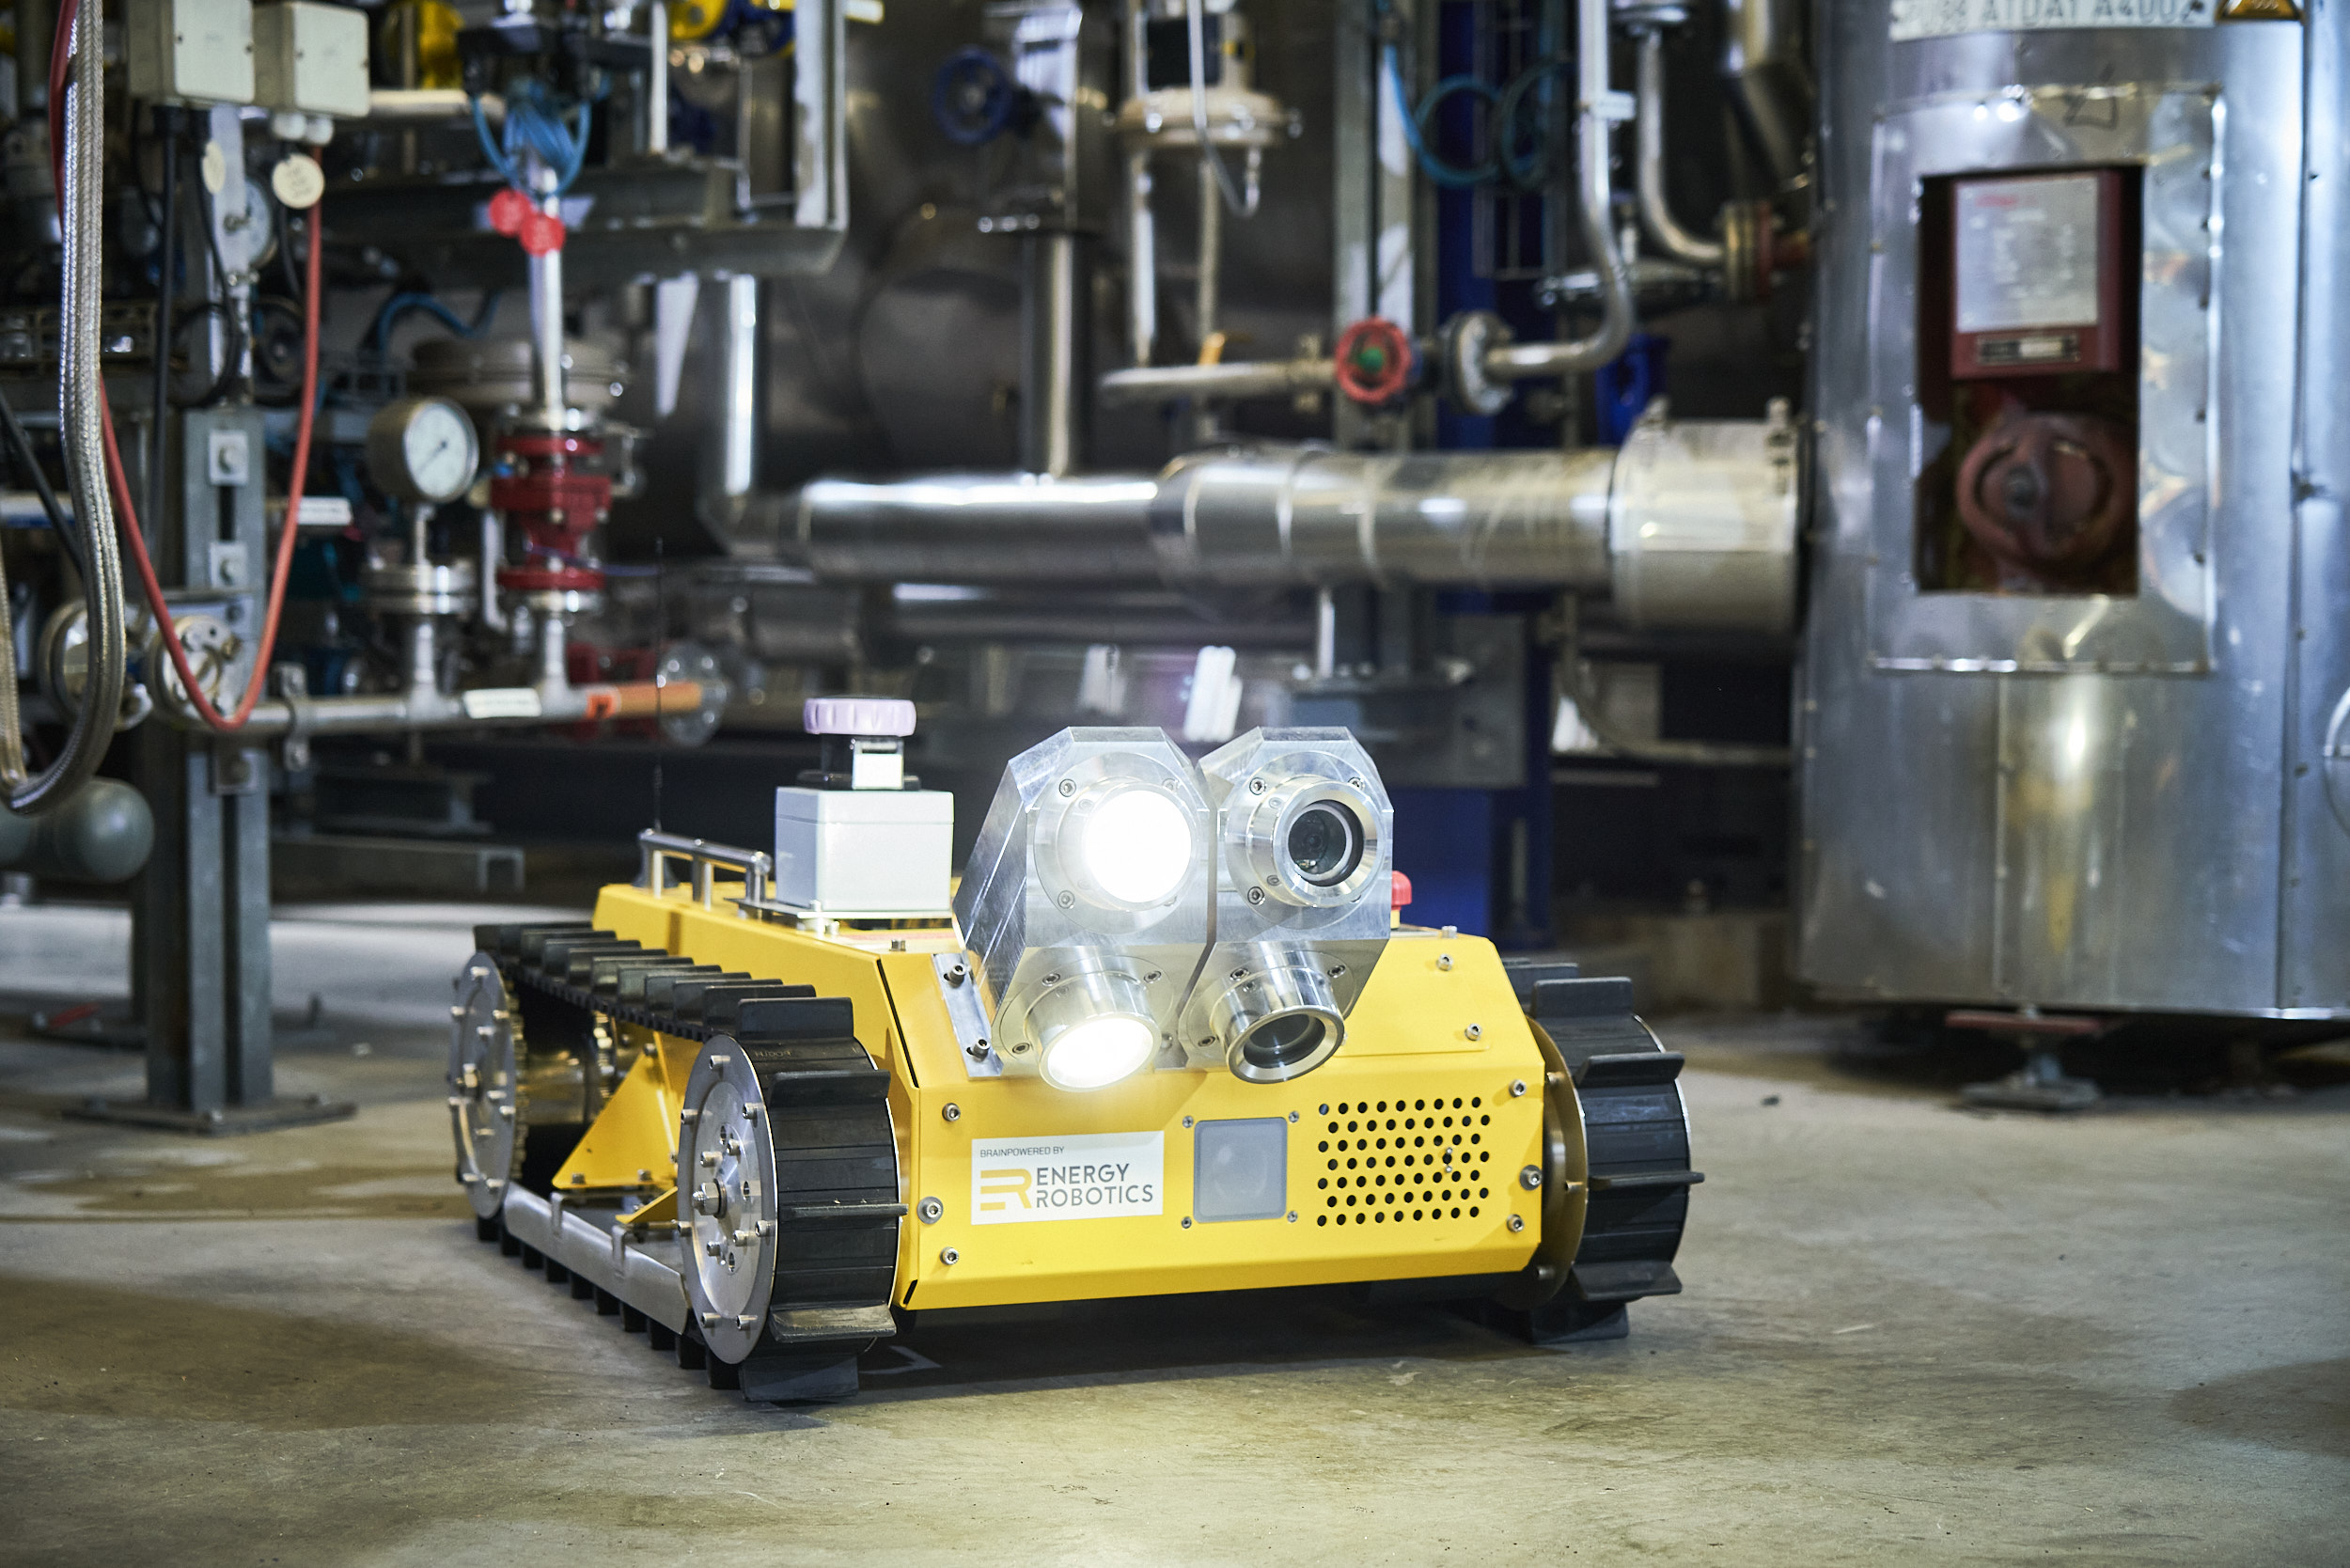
{"x":1436,"y":1023}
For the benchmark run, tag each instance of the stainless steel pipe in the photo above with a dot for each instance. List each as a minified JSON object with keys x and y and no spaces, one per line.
{"x":1598,"y":107}
{"x":1656,"y":212}
{"x":1052,"y":381}
{"x":1228,"y":380}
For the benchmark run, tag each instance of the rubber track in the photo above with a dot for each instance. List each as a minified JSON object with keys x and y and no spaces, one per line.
{"x":1634,"y":1125}
{"x":835,"y":1155}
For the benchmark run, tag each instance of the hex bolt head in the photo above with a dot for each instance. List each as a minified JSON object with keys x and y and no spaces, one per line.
{"x":1443,"y":961}
{"x":1256,"y":786}
{"x":1187,"y":1222}
{"x":948,"y":1255}
{"x":932,"y":1211}
{"x":1517,"y":1222}
{"x":1293,"y":1119}
{"x":1530,"y":1178}
{"x":1068,"y":788}
{"x":957,"y":974}
{"x":1474,"y":1032}
{"x":1069,"y":900}
{"x":1186,"y":1121}
{"x":1256,"y":895}
{"x":1517,"y":1088}
{"x":951,"y":1111}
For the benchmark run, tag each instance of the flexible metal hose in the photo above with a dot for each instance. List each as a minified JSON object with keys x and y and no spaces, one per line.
{"x":81,"y":407}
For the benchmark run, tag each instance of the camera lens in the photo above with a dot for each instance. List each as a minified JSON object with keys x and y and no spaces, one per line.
{"x":1325,"y":843}
{"x":1283,"y":1042}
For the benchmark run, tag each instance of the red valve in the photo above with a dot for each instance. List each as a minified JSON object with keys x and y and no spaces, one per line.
{"x":1373,"y":361}
{"x":1398,"y":890}
{"x":508,"y":211}
{"x":542,"y":232}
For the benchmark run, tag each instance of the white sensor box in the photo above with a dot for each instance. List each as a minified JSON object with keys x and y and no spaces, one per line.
{"x":310,"y":59}
{"x":877,"y":852}
{"x":191,"y":50}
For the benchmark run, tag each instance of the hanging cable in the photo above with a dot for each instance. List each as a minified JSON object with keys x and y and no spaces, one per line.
{"x":91,"y":499}
{"x":77,"y":158}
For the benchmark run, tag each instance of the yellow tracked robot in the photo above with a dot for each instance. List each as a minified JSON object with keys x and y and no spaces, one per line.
{"x":1168,"y":1038}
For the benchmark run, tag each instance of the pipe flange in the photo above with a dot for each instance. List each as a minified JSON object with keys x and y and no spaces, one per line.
{"x":1467,"y":340}
{"x":1748,"y":259}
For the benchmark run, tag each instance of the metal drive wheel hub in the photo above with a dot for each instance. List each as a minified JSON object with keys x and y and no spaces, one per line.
{"x":481,"y":1083}
{"x":727,"y":1186}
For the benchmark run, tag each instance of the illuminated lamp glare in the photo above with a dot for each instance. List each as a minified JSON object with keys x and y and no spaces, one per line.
{"x":1137,"y":847}
{"x":1098,"y":1052}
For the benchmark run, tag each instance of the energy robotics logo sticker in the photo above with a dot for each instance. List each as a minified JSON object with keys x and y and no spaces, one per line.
{"x":1023,"y":1181}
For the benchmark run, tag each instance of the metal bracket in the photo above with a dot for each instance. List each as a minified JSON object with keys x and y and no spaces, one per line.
{"x":238,"y":769}
{"x":959,"y":988}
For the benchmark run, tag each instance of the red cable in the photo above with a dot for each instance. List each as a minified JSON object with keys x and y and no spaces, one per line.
{"x":126,"y":519}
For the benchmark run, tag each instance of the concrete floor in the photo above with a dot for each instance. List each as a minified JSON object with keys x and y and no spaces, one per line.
{"x":1910,"y":1334}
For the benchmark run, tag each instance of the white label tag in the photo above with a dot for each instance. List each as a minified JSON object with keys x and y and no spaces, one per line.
{"x":489,"y":702}
{"x":1016,"y":1181}
{"x":1941,"y":19}
{"x":2027,"y":253}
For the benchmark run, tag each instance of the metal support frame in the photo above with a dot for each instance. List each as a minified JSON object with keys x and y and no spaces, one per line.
{"x":199,"y":918}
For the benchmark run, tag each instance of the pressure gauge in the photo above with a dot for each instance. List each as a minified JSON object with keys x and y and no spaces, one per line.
{"x":422,"y":450}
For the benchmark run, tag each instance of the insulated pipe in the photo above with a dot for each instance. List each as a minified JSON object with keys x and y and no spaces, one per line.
{"x":1249,"y":519}
{"x":1597,"y":106}
{"x":968,"y":529}
{"x":1461,"y":519}
{"x":1656,"y":211}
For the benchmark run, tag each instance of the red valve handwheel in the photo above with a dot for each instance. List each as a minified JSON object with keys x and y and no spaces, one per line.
{"x":1375,"y":361}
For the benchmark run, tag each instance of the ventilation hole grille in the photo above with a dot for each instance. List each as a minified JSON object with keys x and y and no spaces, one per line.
{"x":1403,"y":1161}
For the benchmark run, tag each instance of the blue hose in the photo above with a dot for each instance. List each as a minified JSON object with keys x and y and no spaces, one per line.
{"x":533,"y":121}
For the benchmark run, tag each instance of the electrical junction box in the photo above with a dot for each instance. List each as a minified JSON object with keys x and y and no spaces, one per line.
{"x":877,"y":852}
{"x":310,"y":59}
{"x":192,"y":51}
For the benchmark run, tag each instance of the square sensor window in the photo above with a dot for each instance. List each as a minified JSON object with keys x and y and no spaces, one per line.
{"x":1239,"y":1170}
